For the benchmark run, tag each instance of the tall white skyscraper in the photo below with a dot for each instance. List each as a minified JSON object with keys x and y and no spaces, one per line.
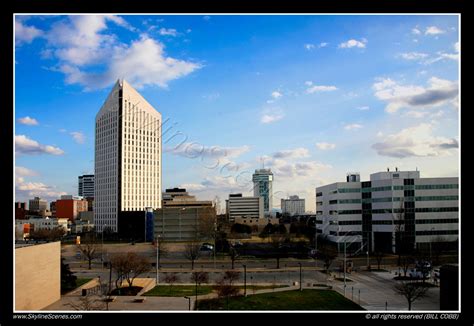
{"x":127,"y":156}
{"x":263,"y":187}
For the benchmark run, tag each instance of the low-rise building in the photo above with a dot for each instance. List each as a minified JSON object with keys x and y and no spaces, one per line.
{"x":70,"y":206}
{"x":37,"y":276}
{"x":182,"y":216}
{"x":244,"y":207}
{"x":293,"y":206}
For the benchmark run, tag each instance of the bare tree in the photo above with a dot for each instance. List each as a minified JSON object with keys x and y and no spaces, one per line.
{"x":379,"y":255}
{"x":198,"y":278}
{"x":411,"y":291}
{"x":191,"y":252}
{"x":207,"y":224}
{"x":87,"y":303}
{"x":277,"y":242}
{"x":54,"y":234}
{"x":327,"y":253}
{"x":233,"y":255}
{"x":163,"y":249}
{"x":225,"y":286}
{"x":171,"y":278}
{"x":405,"y":262}
{"x":89,"y":247}
{"x":129,"y":266}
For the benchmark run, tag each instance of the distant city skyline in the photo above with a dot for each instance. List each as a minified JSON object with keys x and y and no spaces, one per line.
{"x":311,"y":97}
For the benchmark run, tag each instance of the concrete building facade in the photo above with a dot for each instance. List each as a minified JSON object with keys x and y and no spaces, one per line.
{"x":244,"y":207}
{"x":181,"y":216}
{"x":392,"y":210}
{"x":293,"y":206}
{"x":263,"y":187}
{"x":127,"y":157}
{"x":70,"y":206}
{"x":37,"y":276}
{"x":37,"y":205}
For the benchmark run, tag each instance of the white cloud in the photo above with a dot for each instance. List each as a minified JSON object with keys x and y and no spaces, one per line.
{"x":27,"y":146}
{"x":398,"y":96}
{"x":353,"y":126}
{"x":284,"y":169}
{"x":168,"y":32}
{"x":207,"y":18}
{"x":276,"y":94}
{"x":416,"y":114}
{"x":353,"y":43}
{"x":415,"y":141}
{"x":270,"y":118}
{"x":323,"y":44}
{"x":189,"y":30}
{"x":320,"y":88}
{"x":413,"y":55}
{"x":28,"y":121}
{"x":308,"y":83}
{"x":25,"y":190}
{"x":78,"y":137}
{"x":433,"y":30}
{"x":196,"y":150}
{"x":143,"y":63}
{"x":292,"y":153}
{"x":416,"y":31}
{"x":25,"y":34}
{"x":309,"y":46}
{"x":212,"y":96}
{"x":363,"y":108}
{"x":83,"y":42}
{"x":24,"y":172}
{"x":457,"y":47}
{"x":325,"y":146}
{"x":192,"y":187}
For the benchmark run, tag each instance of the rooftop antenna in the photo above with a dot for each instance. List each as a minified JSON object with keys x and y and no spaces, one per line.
{"x":263,"y":162}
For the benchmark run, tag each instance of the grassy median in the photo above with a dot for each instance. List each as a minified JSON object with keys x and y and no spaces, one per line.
{"x":288,"y":300}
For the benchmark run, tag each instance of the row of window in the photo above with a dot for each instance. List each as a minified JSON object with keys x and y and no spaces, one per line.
{"x":389,"y":210}
{"x":389,"y":188}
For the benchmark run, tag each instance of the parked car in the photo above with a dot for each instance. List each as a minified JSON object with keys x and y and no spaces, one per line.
{"x":206,"y":247}
{"x":418,"y":273}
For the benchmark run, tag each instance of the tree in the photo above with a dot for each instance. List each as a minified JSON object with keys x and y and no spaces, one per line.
{"x":191,"y":252}
{"x":240,"y":228}
{"x":48,"y":235}
{"x":162,"y":249}
{"x":327,"y":253}
{"x":267,"y":230}
{"x":225,"y":286}
{"x":207,"y":224}
{"x":68,"y":279}
{"x":89,"y":247}
{"x":129,"y":266}
{"x":439,"y":246}
{"x":379,"y":255}
{"x":198,"y":278}
{"x":171,"y":278}
{"x":405,"y":262}
{"x":278,"y":251}
{"x":87,"y":303}
{"x":233,"y":255}
{"x":411,"y":291}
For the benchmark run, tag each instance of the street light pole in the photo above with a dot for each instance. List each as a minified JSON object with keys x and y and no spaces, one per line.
{"x":344,"y":266}
{"x":189,"y":302}
{"x":301,"y":288}
{"x":245,"y":280}
{"x":157,"y":259}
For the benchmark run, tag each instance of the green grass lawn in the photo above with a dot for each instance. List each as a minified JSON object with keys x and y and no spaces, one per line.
{"x":178,"y":290}
{"x":79,"y":282}
{"x":288,"y":300}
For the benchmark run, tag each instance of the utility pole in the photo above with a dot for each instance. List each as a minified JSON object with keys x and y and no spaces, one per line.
{"x":344,"y":266}
{"x":245,"y":280}
{"x":301,"y":288}
{"x":157,"y":259}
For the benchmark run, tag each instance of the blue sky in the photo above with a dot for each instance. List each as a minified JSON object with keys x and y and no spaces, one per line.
{"x":313,"y":97}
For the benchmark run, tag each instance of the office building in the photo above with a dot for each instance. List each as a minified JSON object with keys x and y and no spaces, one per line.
{"x":183,"y":217}
{"x":86,"y":185}
{"x":263,"y":187}
{"x":20,"y":210}
{"x":70,"y":206}
{"x":127,"y":161}
{"x":37,"y":205}
{"x":293,"y":206}
{"x":244,"y":207}
{"x":394,"y":211}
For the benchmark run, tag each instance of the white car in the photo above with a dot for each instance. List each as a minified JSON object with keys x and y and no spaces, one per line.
{"x":416,"y":273}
